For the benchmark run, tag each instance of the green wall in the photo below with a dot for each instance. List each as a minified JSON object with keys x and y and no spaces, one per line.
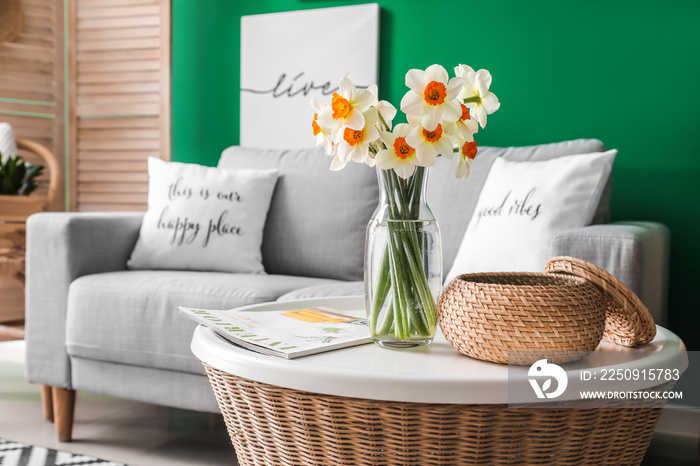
{"x":624,"y":72}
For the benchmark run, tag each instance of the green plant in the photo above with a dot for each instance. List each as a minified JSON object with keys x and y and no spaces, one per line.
{"x":18,"y":177}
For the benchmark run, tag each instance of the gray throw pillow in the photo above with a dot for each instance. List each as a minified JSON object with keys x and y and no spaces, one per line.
{"x":317,"y":219}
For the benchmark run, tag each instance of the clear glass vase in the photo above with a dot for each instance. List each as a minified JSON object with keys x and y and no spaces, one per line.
{"x":403,"y":263}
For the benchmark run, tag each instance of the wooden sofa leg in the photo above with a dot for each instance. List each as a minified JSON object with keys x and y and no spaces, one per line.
{"x":47,"y":401}
{"x":63,"y":408}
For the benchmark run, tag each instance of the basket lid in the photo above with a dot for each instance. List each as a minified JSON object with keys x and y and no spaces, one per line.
{"x":628,"y":322}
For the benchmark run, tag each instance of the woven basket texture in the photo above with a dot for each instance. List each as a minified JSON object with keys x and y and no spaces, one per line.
{"x":11,"y":20}
{"x":628,"y":321}
{"x":524,"y":316}
{"x":274,"y":426}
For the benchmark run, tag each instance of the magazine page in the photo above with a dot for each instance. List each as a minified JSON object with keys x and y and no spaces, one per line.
{"x":288,"y":333}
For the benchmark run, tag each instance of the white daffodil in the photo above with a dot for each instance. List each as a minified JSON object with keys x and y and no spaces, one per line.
{"x":432,"y":97}
{"x":346,"y":109}
{"x":387,"y":112}
{"x":464,"y":161}
{"x":321,"y":136}
{"x":354,"y":144}
{"x":475,"y":92}
{"x":428,"y":144}
{"x":399,"y":156}
{"x":467,"y":125}
{"x":464,"y":128}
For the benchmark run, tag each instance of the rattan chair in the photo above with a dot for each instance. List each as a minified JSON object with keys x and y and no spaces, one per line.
{"x":14,"y":211}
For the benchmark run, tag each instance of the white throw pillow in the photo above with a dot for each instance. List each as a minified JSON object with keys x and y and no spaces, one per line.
{"x":524,"y":205}
{"x":8,"y":146}
{"x":203,"y":218}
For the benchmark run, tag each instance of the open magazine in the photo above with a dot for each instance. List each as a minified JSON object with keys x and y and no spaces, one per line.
{"x":289,"y":333}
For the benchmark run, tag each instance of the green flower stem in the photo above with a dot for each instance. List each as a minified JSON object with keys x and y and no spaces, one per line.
{"x":414,"y":201}
{"x":412,"y":211}
{"x":400,"y":330}
{"x":407,"y":278}
{"x":411,"y":309}
{"x":381,"y":293}
{"x":384,"y":279}
{"x":413,"y":245}
{"x":418,"y":276}
{"x":388,"y":323}
{"x":473,"y":99}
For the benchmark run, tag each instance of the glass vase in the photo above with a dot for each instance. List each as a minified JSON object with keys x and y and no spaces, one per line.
{"x":403,"y":263}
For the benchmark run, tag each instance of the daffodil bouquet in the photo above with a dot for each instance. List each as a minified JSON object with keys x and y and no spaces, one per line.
{"x":403,"y":268}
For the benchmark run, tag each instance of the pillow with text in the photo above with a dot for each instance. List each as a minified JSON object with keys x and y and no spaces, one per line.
{"x":524,"y":205}
{"x":203,"y":218}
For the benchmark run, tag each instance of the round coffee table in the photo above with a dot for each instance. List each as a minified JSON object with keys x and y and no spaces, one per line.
{"x":368,"y":405}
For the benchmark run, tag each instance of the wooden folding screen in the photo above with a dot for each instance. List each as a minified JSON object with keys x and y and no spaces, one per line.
{"x":32,"y":93}
{"x":119,"y":100}
{"x":32,"y":83}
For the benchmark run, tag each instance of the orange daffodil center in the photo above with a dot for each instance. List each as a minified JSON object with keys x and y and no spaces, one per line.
{"x":469,"y":150}
{"x":401,"y":149}
{"x":435,"y":93}
{"x":433,"y":136}
{"x":321,"y":136}
{"x":314,"y":125}
{"x":468,"y":153}
{"x":352,"y":136}
{"x":341,"y":107}
{"x":465,"y":113}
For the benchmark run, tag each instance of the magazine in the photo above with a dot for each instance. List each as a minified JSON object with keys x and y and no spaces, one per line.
{"x":288,"y":333}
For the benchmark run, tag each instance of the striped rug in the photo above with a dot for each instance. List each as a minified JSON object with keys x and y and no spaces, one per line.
{"x":20,"y":454}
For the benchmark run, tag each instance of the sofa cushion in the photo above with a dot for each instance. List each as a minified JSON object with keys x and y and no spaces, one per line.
{"x":453,"y":200}
{"x":317,"y":219}
{"x":132,"y":317}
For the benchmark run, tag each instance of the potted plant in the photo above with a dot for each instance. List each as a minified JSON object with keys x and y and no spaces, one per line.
{"x":18,"y":179}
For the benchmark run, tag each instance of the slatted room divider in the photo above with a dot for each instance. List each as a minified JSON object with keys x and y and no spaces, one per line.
{"x":119,"y":94}
{"x":32,"y":94}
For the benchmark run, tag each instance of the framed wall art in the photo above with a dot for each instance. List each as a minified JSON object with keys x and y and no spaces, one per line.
{"x":289,"y":57}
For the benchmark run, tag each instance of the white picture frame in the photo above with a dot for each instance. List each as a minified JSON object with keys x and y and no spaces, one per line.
{"x":288,"y":58}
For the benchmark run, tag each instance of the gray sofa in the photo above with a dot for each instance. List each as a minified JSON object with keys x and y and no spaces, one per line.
{"x":93,"y":325}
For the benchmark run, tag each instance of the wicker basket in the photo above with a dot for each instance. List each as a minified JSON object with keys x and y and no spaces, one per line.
{"x":526,"y":316}
{"x":273,"y":426}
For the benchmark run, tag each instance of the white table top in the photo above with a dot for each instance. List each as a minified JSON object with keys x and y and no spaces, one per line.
{"x":434,"y":374}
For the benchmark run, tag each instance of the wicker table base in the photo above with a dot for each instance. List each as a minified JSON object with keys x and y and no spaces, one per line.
{"x":274,"y":426}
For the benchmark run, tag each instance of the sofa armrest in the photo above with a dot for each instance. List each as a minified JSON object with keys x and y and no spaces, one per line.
{"x":637,"y":253}
{"x":60,"y":248}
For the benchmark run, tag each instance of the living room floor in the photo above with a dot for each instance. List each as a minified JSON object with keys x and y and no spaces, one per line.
{"x":141,"y":434}
{"x":134,"y":433}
